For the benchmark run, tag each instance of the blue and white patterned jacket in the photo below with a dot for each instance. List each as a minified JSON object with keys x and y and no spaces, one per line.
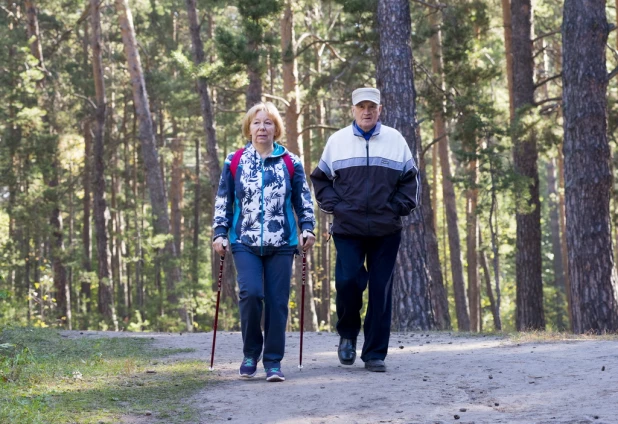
{"x":257,"y":207}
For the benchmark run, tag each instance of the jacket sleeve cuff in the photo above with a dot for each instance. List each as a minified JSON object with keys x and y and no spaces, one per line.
{"x":219,"y":232}
{"x":307,"y":226}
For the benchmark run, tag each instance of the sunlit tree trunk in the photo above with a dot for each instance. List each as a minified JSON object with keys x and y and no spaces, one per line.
{"x":395,"y":79}
{"x":588,"y":180}
{"x":291,"y":92}
{"x":156,"y":187}
{"x":213,"y":164}
{"x":448,"y":189}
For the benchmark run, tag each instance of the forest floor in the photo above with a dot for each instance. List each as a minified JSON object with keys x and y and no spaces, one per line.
{"x":432,"y":377}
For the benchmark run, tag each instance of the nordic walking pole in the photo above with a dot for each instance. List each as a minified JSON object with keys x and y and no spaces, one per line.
{"x":214,"y":334}
{"x":302,"y":303}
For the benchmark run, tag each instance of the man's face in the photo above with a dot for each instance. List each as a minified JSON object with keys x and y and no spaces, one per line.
{"x":366,"y":114}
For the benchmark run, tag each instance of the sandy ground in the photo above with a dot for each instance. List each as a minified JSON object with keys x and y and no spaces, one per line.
{"x":431,"y":378}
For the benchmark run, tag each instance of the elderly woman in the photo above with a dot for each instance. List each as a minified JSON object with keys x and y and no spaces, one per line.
{"x":261,"y":187}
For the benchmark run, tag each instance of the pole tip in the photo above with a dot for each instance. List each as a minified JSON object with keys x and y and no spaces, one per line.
{"x":211,"y":369}
{"x":300,"y":367}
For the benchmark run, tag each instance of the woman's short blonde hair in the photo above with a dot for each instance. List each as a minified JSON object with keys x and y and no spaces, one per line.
{"x":273,"y":114}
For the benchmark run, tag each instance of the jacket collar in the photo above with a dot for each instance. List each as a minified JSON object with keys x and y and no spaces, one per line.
{"x":278,"y":151}
{"x":357,"y":132}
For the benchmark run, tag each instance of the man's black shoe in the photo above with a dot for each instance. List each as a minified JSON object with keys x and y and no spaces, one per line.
{"x":375,"y":365}
{"x":347,"y":351}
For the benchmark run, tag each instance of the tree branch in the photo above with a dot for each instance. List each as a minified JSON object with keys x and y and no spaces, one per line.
{"x":438,"y":6}
{"x":319,"y":40}
{"x":546,"y":80}
{"x":612,"y":74}
{"x":547,"y":34}
{"x":551,"y":99}
{"x":434,"y":141}
{"x":87,"y":99}
{"x":66,"y":34}
{"x":281,"y":99}
{"x":326,"y":127}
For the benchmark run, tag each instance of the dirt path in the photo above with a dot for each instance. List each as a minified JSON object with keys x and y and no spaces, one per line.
{"x":431,"y":378}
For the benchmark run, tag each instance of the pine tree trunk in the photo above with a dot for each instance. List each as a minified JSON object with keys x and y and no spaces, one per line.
{"x":490,"y":293}
{"x":322,"y":235}
{"x":588,"y":180}
{"x":529,"y":309}
{"x":395,"y":78}
{"x":557,"y":264}
{"x":448,"y":189}
{"x":439,"y":298}
{"x":214,"y":167}
{"x":55,"y":219}
{"x":563,"y":241}
{"x":146,"y":135}
{"x":254,"y":89}
{"x":474,"y":289}
{"x":106,"y":296}
{"x":177,"y":190}
{"x":508,"y":52}
{"x":86,"y":294}
{"x":291,"y":90}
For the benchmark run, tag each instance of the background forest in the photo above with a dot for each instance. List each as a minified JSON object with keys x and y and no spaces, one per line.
{"x":116,"y":117}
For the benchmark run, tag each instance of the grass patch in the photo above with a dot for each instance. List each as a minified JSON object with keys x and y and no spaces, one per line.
{"x":556,"y":336}
{"x":46,"y":378}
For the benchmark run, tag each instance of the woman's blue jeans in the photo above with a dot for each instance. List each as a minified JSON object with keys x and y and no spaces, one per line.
{"x":264,"y":283}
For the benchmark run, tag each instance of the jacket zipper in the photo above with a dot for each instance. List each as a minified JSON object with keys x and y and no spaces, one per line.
{"x":367,"y":189}
{"x":262,"y":210}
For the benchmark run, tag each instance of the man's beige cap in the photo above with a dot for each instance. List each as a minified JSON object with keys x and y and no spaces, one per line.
{"x":362,"y":94}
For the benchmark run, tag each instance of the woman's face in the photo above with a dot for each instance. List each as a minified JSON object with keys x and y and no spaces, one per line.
{"x":262,"y":129}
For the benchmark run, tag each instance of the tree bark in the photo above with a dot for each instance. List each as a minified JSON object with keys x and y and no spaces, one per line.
{"x":554,"y":225}
{"x":529,"y":309}
{"x":439,"y":298}
{"x":448,"y":189}
{"x":490,"y":293}
{"x":291,"y":90}
{"x":177,"y":190}
{"x":254,"y":89}
{"x":588,"y":179}
{"x":214,"y":167}
{"x":106,"y":296}
{"x":154,"y":179}
{"x":474,"y":289}
{"x":86,"y":230}
{"x":395,"y":78}
{"x":62,"y":293}
{"x":508,"y":52}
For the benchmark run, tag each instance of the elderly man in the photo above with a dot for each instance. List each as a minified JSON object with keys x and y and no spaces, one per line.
{"x":368,"y":180}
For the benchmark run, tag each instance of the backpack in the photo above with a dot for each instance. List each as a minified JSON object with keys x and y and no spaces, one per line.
{"x":236,"y":160}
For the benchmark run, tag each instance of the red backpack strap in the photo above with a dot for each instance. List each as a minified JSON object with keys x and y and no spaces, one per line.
{"x":289,"y":164}
{"x":235,"y":161}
